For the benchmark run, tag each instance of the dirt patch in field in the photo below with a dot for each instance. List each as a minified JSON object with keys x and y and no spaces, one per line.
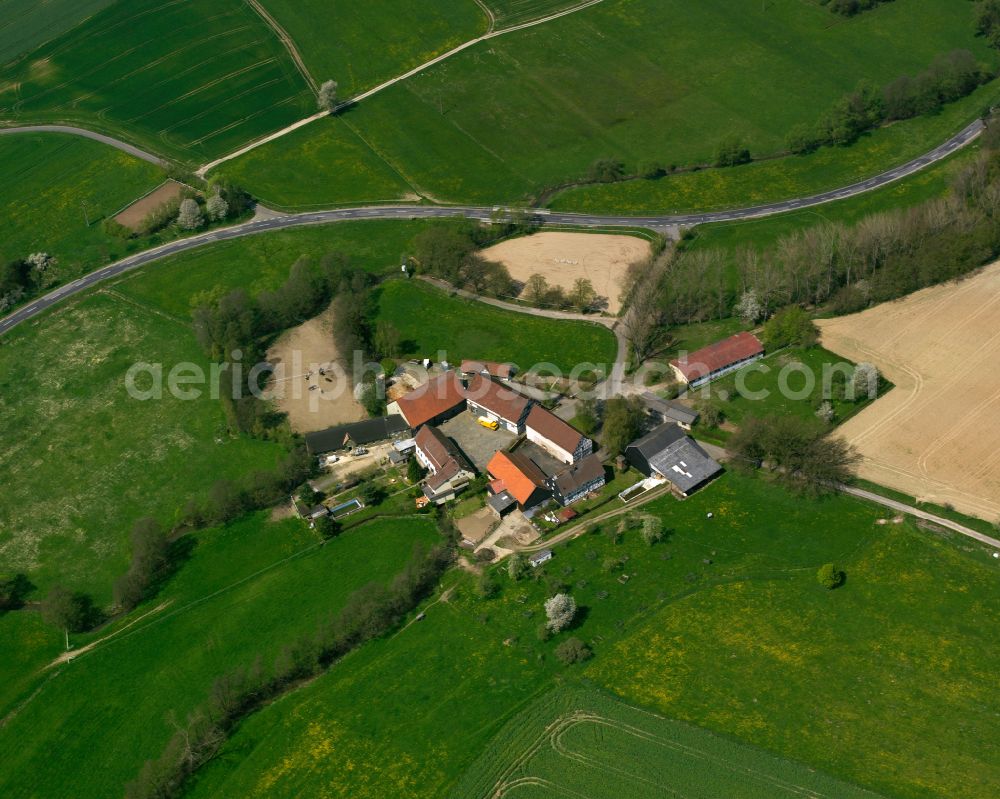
{"x":309,"y":384}
{"x":935,"y":436}
{"x":137,"y":211}
{"x":562,"y":258}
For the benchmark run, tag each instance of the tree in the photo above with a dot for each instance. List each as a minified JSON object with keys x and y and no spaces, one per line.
{"x":13,"y":590}
{"x":309,"y":496}
{"x":826,"y":412}
{"x":830,"y":577}
{"x":372,"y":400}
{"x":652,"y":529}
{"x":582,"y":296}
{"x":517,"y":566}
{"x":150,"y":556}
{"x":372,"y":493}
{"x":790,"y":327}
{"x":732,"y":152}
{"x":414,"y":471}
{"x":586,"y":416}
{"x":864,"y":383}
{"x":607,"y":170}
{"x":326,"y":526}
{"x":710,"y":414}
{"x":486,"y":586}
{"x":326,"y":98}
{"x":388,"y":339}
{"x":217,"y":208}
{"x":535,"y":289}
{"x":73,"y":611}
{"x":189,"y":215}
{"x":623,"y":419}
{"x":749,"y":308}
{"x":559,"y":612}
{"x":801,"y":139}
{"x":573,"y":650}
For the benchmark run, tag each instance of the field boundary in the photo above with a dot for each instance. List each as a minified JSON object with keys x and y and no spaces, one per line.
{"x":287,"y":41}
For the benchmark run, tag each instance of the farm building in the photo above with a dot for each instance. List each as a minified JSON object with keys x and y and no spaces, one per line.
{"x":578,"y":480}
{"x":670,"y":410}
{"x":556,"y":437}
{"x":436,"y":400}
{"x":668,"y":453}
{"x":715,"y":360}
{"x":502,"y":371}
{"x":501,"y":504}
{"x":516,"y":474}
{"x":355,"y":434}
{"x":540,"y":557}
{"x":450,"y":472}
{"x":494,"y":401}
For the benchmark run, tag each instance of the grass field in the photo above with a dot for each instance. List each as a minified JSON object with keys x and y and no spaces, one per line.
{"x":577,"y":742}
{"x":190,"y":80}
{"x":533,"y":109}
{"x":24,"y":24}
{"x":247,"y":590}
{"x":82,"y":460}
{"x":408,"y":716}
{"x":363,"y":44}
{"x":432,"y":322}
{"x":515,"y":12}
{"x":51,"y":184}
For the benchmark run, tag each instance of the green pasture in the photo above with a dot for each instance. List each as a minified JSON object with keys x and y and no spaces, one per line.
{"x":82,"y":460}
{"x":190,"y":80}
{"x":436,"y":325}
{"x":360,"y":45}
{"x":247,"y":591}
{"x":52,"y":185}
{"x":409,"y":715}
{"x":644,"y":81}
{"x":516,"y":12}
{"x":581,"y":742}
{"x":25,"y":24}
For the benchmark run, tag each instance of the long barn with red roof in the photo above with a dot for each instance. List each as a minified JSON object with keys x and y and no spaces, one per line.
{"x":717,"y":359}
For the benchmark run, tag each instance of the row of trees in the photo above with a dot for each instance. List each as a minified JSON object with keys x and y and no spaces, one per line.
{"x":882,"y":257}
{"x":848,"y":8}
{"x":951,"y":76}
{"x":26,"y":277}
{"x":582,"y":297}
{"x":369,"y":612}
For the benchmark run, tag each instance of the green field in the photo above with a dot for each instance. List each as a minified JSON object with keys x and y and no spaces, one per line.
{"x":82,"y":460}
{"x":515,"y":12}
{"x":248,"y":590}
{"x":435,"y":325}
{"x":25,"y":24}
{"x":584,"y":743}
{"x":747,"y":644}
{"x":52,"y":184}
{"x":536,"y":108}
{"x":360,"y":45}
{"x":189,"y":80}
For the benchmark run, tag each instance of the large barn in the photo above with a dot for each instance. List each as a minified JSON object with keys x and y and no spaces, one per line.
{"x":715,"y":360}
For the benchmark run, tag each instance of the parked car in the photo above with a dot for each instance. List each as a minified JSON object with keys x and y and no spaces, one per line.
{"x":360,"y":451}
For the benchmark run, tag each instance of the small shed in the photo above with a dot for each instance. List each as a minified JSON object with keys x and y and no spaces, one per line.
{"x":501,"y":504}
{"x":540,"y":557}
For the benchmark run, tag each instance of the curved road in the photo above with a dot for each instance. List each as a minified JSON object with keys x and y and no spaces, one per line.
{"x":118,"y":144}
{"x":664,"y":223}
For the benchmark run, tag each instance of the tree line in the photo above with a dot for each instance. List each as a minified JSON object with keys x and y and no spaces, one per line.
{"x":370,"y":612}
{"x":950,"y":77}
{"x":848,"y":8}
{"x":845,"y":267}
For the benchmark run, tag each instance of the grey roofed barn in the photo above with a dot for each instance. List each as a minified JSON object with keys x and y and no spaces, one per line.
{"x":367,"y":431}
{"x":666,"y":451}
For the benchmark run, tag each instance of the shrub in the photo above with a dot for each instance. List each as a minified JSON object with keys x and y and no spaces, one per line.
{"x":790,"y":327}
{"x":830,"y":577}
{"x":573,"y":650}
{"x":732,"y":152}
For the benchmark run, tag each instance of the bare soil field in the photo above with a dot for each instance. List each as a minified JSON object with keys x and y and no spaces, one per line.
{"x":137,"y":211}
{"x":936,"y":436}
{"x":562,"y":258}
{"x":313,"y":401}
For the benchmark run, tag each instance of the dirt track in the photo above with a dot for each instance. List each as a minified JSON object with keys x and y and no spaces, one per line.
{"x":562,"y":258}
{"x":936,"y":435}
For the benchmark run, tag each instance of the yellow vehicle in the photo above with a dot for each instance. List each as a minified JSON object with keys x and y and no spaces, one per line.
{"x":488,"y":423}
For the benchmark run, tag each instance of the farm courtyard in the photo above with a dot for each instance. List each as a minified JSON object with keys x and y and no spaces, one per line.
{"x":935,"y":436}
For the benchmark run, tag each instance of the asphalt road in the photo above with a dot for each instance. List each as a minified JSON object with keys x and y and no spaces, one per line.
{"x":118,"y":144}
{"x":663,"y":223}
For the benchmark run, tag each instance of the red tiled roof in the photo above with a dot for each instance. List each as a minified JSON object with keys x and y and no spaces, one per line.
{"x":502,"y":370}
{"x":550,"y":426}
{"x":519,"y":475}
{"x":433,"y":444}
{"x":718,"y":356}
{"x":430,"y":400}
{"x":500,"y":400}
